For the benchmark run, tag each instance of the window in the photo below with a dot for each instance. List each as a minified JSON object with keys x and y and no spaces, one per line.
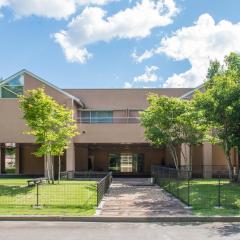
{"x":126,"y":162}
{"x":101,"y":116}
{"x":96,"y":117}
{"x":114,"y":162}
{"x":12,"y":88}
{"x":85,"y":117}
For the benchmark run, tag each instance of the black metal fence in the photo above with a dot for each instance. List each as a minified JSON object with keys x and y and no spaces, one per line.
{"x":199,"y":193}
{"x":69,"y":193}
{"x":103,"y":186}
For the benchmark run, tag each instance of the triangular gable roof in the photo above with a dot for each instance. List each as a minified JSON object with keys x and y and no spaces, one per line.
{"x":24,"y":71}
{"x":190,"y":93}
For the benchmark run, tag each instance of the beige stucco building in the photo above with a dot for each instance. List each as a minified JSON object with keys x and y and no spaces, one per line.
{"x":110,"y":138}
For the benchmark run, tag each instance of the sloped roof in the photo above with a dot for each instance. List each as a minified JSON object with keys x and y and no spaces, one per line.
{"x":190,"y":93}
{"x":132,"y":98}
{"x":24,"y":71}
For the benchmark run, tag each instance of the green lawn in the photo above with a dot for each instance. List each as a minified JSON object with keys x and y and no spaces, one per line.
{"x":66,"y":198}
{"x":204,"y":195}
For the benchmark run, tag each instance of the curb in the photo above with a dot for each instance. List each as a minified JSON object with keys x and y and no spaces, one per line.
{"x":176,"y":219}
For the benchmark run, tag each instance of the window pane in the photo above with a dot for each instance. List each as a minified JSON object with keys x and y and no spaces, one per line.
{"x":12,"y":88}
{"x":114,"y":162}
{"x":17,"y":81}
{"x":138,"y":162}
{"x":11,"y":92}
{"x":85,"y":117}
{"x":101,"y":116}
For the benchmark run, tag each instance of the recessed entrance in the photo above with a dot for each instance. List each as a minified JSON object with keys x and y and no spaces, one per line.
{"x":126,"y":162}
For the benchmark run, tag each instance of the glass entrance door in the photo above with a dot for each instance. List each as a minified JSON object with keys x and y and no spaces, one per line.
{"x":126,"y":162}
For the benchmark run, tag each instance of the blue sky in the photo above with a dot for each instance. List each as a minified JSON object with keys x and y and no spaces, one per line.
{"x":144,"y":43}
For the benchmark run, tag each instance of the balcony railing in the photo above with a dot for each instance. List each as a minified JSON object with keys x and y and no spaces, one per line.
{"x":108,"y":120}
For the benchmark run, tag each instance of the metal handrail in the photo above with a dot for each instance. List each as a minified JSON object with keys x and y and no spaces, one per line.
{"x":108,"y":120}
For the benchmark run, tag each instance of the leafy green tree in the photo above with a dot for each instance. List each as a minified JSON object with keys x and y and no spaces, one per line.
{"x":192,"y":128}
{"x":65,"y":131}
{"x":171,"y":122}
{"x":50,"y":123}
{"x":220,"y":105}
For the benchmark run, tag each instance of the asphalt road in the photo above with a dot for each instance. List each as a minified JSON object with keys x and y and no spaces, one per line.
{"x":115,"y":231}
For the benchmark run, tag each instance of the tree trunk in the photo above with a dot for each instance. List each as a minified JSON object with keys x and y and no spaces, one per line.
{"x":51,"y":160}
{"x":230,"y":166}
{"x":228,"y":158}
{"x":49,"y":171}
{"x":59,"y":168}
{"x":172,"y":150}
{"x":190,"y":157}
{"x":46,"y":170}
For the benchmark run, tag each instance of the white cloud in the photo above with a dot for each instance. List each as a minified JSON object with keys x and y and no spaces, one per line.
{"x":3,"y":2}
{"x":94,"y":2}
{"x":57,"y":9}
{"x":45,"y":8}
{"x":146,"y":55}
{"x":92,"y":25}
{"x":148,"y":76}
{"x":198,"y":44}
{"x":127,"y":85}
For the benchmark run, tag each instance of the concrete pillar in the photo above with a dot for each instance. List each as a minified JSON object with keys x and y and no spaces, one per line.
{"x":70,"y":157}
{"x":2,"y":158}
{"x":184,"y":157}
{"x":207,"y":160}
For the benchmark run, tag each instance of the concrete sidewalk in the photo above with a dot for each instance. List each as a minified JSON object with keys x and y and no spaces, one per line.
{"x":139,"y":198}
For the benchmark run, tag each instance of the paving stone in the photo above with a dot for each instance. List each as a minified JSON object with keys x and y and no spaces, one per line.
{"x":137,"y":197}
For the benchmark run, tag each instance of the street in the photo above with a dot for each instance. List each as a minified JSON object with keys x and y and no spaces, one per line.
{"x":123,"y":231}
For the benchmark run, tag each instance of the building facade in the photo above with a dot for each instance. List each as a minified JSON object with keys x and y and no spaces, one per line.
{"x":110,"y":139}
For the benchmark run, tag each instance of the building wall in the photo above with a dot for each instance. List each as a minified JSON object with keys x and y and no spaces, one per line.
{"x":81,"y":157}
{"x":29,"y":163}
{"x":197,"y":160}
{"x":110,"y":133}
{"x":12,"y":125}
{"x":219,"y":159}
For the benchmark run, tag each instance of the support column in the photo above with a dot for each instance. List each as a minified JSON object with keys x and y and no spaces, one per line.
{"x":17,"y":158}
{"x":70,"y":157}
{"x":2,"y":158}
{"x":207,"y":160}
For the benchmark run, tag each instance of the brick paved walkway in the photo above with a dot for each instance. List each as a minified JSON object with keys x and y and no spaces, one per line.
{"x":137,"y":197}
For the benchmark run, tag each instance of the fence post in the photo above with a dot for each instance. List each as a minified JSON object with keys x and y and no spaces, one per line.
{"x":178,"y":184}
{"x":37,"y":196}
{"x":169,"y":181}
{"x":188,"y":192}
{"x":97,"y":193}
{"x":219,"y":192}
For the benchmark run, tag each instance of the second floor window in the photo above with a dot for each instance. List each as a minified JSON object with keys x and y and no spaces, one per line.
{"x":12,"y":88}
{"x":96,"y":117}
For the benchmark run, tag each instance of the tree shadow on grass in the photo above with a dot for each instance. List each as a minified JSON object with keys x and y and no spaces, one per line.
{"x":14,"y":190}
